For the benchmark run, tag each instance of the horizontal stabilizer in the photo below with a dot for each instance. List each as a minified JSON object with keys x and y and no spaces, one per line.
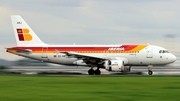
{"x":17,"y":50}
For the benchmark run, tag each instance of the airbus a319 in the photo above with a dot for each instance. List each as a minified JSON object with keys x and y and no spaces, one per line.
{"x":117,"y":58}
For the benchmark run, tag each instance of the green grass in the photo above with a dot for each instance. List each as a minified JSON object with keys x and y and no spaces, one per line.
{"x":89,"y":88}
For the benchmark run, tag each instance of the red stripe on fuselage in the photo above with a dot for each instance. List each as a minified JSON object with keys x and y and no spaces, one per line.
{"x":95,"y":48}
{"x":130,"y":47}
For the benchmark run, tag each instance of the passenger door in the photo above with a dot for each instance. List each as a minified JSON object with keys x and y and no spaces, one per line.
{"x":149,"y":52}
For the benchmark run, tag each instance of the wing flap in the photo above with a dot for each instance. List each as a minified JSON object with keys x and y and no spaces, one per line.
{"x":83,"y":56}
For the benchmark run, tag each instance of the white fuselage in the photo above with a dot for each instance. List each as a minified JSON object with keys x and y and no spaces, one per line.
{"x":150,"y":55}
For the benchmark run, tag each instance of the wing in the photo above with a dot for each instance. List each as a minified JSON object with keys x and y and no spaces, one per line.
{"x":88,"y":59}
{"x":92,"y":59}
{"x":83,"y":56}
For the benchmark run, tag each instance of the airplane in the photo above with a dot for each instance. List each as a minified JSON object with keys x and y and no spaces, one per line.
{"x":115,"y":58}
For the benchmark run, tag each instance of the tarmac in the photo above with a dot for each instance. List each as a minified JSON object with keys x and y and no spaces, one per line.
{"x":84,"y":71}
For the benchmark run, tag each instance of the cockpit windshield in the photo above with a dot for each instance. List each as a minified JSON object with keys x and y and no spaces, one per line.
{"x":163,"y":51}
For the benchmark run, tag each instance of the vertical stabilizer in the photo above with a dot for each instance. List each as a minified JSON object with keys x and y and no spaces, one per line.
{"x":25,"y":36}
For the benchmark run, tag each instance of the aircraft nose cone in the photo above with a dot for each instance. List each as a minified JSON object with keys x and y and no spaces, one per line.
{"x":173,"y":58}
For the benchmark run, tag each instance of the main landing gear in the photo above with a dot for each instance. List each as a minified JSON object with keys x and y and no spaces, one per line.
{"x":150,"y":72}
{"x":94,"y":72}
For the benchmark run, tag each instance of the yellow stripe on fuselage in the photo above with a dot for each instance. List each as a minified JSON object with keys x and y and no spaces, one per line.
{"x":139,"y":47}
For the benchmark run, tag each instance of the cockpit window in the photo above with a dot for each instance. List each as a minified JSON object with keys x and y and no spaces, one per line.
{"x":163,"y":51}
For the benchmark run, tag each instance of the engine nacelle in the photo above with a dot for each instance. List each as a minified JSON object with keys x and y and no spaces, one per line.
{"x":114,"y":65}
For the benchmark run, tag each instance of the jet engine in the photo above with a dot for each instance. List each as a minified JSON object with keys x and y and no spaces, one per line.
{"x":116,"y":66}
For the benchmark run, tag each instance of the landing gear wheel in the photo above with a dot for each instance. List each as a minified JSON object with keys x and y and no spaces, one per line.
{"x":91,"y":71}
{"x":97,"y":72}
{"x":150,"y":72}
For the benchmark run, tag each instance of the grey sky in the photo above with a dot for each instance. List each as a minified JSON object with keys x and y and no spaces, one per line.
{"x":94,"y":21}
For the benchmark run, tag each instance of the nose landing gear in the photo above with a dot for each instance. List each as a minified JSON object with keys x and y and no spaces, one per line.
{"x":150,"y":72}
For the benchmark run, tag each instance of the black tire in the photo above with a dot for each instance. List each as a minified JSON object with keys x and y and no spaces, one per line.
{"x":150,"y":72}
{"x":97,"y":72}
{"x":91,"y":71}
{"x":110,"y":69}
